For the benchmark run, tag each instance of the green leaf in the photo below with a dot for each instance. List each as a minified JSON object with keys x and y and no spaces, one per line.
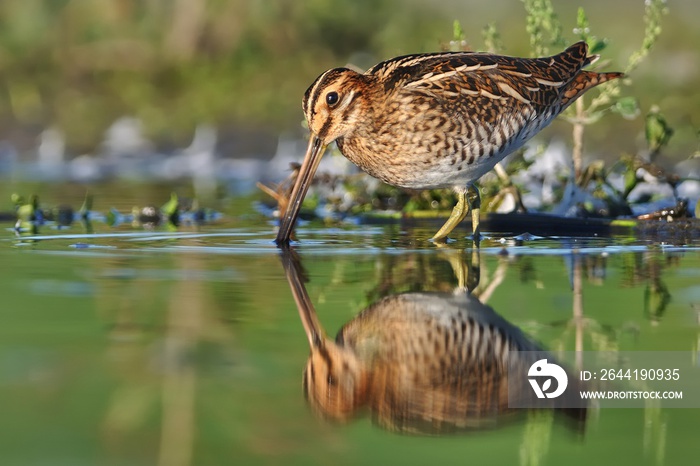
{"x":597,"y":46}
{"x":170,"y":207}
{"x":457,"y":31}
{"x":311,"y":202}
{"x":628,"y":107}
{"x":411,"y":206}
{"x":656,"y":130}
{"x":631,"y":180}
{"x":17,"y":200}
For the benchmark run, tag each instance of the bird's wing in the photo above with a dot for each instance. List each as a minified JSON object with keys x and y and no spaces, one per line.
{"x":532,"y":81}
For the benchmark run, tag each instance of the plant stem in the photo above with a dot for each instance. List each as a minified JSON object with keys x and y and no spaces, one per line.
{"x":577,"y":154}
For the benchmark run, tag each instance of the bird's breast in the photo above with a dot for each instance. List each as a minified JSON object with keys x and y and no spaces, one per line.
{"x":422,"y":143}
{"x":416,"y":160}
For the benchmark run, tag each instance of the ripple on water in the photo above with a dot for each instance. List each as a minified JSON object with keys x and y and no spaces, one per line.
{"x":361,"y":239}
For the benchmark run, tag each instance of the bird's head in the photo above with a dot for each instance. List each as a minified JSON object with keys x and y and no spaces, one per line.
{"x":333,"y":106}
{"x":335,"y":381}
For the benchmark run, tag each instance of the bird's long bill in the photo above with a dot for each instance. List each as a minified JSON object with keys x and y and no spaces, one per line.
{"x":307,"y":313}
{"x":306,"y":175}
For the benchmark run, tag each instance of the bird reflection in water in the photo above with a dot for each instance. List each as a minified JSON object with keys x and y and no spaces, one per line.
{"x":421,"y":363}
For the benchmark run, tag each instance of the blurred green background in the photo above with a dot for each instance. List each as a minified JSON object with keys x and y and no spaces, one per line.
{"x":243,"y":65}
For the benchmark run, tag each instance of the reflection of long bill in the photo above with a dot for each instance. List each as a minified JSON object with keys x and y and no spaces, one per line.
{"x":306,"y":175}
{"x":292,"y":269}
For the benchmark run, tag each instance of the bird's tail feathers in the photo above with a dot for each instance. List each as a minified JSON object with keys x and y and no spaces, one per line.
{"x":583,"y":81}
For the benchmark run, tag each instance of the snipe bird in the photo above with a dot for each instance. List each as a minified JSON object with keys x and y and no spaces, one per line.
{"x":437,"y":120}
{"x":421,"y":363}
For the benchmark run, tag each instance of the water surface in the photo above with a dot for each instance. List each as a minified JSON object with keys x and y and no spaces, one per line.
{"x":185,"y":346}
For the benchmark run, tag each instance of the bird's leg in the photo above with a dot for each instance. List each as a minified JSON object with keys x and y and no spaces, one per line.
{"x":457,"y":215}
{"x":467,"y":273}
{"x":474,"y":200}
{"x":474,"y":277}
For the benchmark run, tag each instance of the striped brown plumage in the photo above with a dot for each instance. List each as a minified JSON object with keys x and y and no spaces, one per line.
{"x":437,"y":120}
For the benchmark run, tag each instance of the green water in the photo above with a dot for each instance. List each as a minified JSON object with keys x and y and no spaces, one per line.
{"x":130,"y":347}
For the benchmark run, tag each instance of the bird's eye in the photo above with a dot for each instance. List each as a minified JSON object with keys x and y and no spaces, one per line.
{"x":332,"y":98}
